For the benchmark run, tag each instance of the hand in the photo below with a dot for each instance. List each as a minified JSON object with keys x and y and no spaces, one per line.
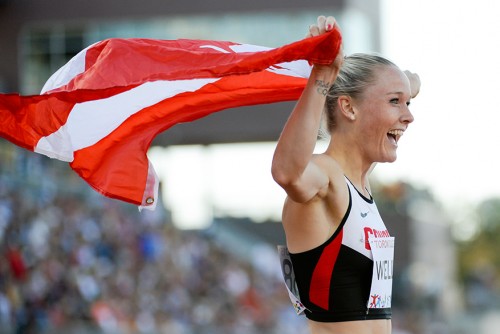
{"x":323,"y":25}
{"x":414,"y":83}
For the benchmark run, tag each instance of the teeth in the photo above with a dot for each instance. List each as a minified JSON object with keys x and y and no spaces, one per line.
{"x":396,"y":132}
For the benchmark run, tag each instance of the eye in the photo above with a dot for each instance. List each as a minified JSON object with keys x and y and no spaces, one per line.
{"x":395,"y":101}
{"x":408,"y":103}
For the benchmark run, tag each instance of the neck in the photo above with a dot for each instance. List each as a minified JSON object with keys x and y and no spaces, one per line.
{"x":352,"y":161}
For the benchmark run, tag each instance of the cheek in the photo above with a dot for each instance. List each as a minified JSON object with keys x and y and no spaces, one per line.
{"x":379,"y":120}
{"x":373,"y":126}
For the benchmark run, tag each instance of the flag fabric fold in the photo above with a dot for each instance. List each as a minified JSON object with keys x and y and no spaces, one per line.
{"x":101,"y":111}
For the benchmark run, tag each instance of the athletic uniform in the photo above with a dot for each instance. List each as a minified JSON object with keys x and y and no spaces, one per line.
{"x":336,"y":279}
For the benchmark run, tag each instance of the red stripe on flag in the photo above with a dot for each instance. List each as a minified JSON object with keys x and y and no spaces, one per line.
{"x":117,"y":165}
{"x":26,"y":119}
{"x":122,"y":62}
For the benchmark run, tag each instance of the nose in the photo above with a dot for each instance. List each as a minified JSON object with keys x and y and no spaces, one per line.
{"x":407,"y":116}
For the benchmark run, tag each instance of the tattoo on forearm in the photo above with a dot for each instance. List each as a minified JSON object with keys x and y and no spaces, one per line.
{"x":322,"y":87}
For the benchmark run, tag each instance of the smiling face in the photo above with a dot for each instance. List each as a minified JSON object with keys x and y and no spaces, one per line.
{"x":382,"y":114}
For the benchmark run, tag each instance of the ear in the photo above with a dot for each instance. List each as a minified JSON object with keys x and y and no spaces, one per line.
{"x":346,"y":107}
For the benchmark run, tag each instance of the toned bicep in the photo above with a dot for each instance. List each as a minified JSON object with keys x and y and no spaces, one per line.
{"x":314,"y":182}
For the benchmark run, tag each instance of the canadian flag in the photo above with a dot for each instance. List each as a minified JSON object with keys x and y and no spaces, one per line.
{"x":101,"y":111}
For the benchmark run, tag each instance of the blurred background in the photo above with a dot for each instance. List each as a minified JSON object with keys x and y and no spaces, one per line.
{"x":73,"y":261}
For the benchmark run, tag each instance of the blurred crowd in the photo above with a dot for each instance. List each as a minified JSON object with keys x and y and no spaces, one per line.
{"x":73,"y":262}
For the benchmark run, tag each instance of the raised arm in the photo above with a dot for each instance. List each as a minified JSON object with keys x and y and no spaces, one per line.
{"x":293,"y":166}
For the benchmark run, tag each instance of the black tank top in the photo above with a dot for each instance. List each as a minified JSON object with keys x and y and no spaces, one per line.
{"x":334,"y":279}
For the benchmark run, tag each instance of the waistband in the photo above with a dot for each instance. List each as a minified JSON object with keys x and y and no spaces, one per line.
{"x":368,"y":314}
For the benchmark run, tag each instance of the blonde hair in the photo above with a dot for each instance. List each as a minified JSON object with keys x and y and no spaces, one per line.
{"x":357,"y":73}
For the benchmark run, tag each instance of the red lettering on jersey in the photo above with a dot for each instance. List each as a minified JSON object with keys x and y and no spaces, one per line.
{"x":375,"y":233}
{"x":368,"y":231}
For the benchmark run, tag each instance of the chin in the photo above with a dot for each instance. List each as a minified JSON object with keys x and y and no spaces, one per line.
{"x":389,"y":159}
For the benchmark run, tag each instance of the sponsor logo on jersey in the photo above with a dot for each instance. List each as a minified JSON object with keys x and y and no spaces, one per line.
{"x":373,"y":233}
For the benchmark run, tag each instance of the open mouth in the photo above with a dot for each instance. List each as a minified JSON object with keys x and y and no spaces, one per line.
{"x":394,"y":136}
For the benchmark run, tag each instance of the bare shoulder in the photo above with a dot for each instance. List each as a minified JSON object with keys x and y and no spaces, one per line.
{"x":308,"y":225}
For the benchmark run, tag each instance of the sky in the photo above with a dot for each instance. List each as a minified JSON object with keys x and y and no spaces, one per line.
{"x":451,"y":148}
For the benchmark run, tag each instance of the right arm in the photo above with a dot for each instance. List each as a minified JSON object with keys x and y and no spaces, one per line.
{"x":293,"y":167}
